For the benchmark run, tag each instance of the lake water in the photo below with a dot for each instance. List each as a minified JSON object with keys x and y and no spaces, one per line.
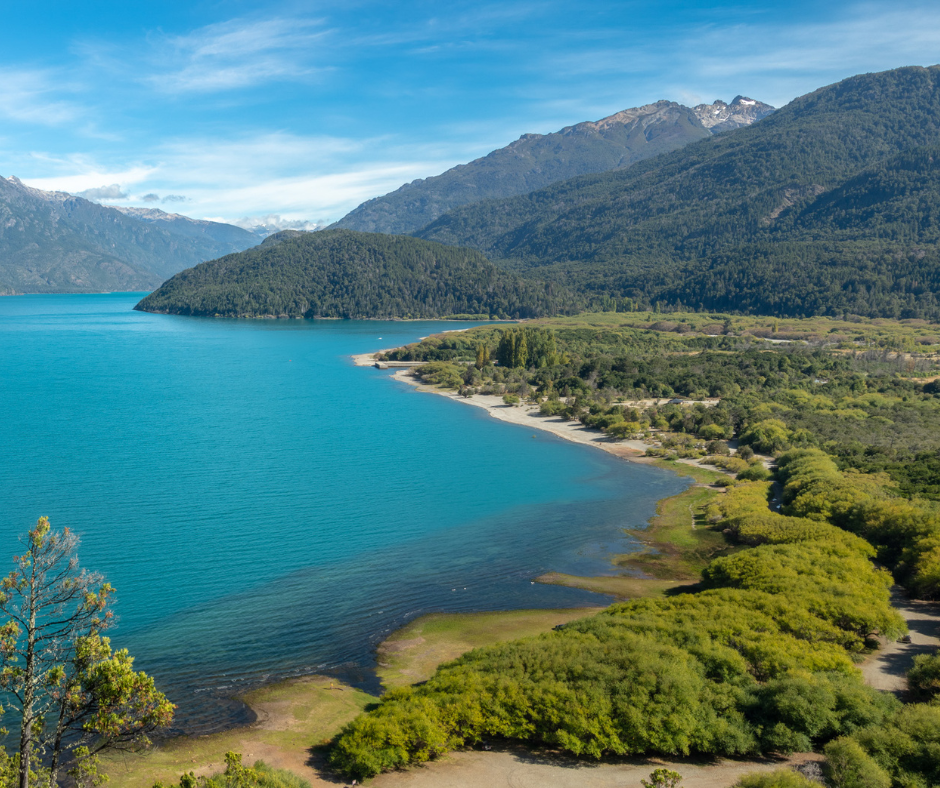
{"x":266,"y":509}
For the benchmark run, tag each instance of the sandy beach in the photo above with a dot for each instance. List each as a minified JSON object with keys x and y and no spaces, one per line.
{"x":527,"y":415}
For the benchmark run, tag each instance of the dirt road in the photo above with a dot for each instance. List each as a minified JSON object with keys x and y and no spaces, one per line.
{"x":887,"y":669}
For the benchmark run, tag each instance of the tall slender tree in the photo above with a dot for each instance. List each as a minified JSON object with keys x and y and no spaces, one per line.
{"x":73,"y":695}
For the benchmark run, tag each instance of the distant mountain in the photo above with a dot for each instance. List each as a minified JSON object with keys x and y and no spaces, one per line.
{"x":52,"y":242}
{"x":537,"y":160}
{"x":215,"y":232}
{"x":347,"y":274}
{"x":830,"y":205}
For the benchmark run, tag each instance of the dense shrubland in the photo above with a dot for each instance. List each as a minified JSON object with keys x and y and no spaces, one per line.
{"x":861,"y":391}
{"x":759,"y":660}
{"x":760,"y":656}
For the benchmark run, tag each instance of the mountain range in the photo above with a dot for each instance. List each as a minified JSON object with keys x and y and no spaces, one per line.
{"x":53,"y":242}
{"x":537,"y":160}
{"x":829,"y":205}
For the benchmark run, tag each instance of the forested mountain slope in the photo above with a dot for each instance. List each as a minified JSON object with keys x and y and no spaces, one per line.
{"x":51,"y":242}
{"x":537,"y":160}
{"x":347,"y":274}
{"x":828,"y":205}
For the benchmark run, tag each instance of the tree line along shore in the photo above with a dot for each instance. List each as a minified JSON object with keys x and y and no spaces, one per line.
{"x":743,"y":620}
{"x":759,"y":656}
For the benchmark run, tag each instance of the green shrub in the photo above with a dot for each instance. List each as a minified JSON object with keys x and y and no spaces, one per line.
{"x":238,"y":776}
{"x":923,"y":680}
{"x":441,"y":373}
{"x":663,"y":778}
{"x":782,"y":778}
{"x":754,"y":473}
{"x":849,"y":766}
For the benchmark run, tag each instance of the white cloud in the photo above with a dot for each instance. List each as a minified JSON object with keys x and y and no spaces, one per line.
{"x":272,"y":223}
{"x":36,"y":96}
{"x":776,"y":62}
{"x":299,"y":179}
{"x":236,"y":54}
{"x":112,"y":192}
{"x":88,"y":177}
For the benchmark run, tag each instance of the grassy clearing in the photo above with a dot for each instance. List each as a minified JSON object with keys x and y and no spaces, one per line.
{"x":293,"y":717}
{"x":696,"y":472}
{"x":679,"y":541}
{"x":413,"y":653}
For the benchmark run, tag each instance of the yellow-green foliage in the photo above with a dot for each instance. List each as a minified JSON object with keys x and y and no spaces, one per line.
{"x":441,"y":373}
{"x":745,"y":512}
{"x":782,"y":778}
{"x":238,"y":776}
{"x":905,"y":745}
{"x":732,"y":464}
{"x":906,"y":531}
{"x":758,"y":662}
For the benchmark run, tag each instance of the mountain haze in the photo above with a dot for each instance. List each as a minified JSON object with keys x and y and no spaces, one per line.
{"x":537,"y":160}
{"x":348,"y":274}
{"x":829,"y":204}
{"x":52,"y":242}
{"x":219,"y":233}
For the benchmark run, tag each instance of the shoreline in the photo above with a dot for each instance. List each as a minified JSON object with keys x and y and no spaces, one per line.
{"x":529,"y":416}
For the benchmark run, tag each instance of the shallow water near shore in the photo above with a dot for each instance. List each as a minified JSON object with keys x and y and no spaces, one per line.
{"x":266,"y":509}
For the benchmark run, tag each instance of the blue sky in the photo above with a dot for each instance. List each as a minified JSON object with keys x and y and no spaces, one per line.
{"x":304,"y":109}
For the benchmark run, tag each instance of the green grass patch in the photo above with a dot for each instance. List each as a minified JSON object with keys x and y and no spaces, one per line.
{"x":698,"y":473}
{"x":679,"y":542}
{"x":412,"y":654}
{"x":293,"y":717}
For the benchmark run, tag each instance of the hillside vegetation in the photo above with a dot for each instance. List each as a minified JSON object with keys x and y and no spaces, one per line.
{"x":346,"y":274}
{"x":537,"y":160}
{"x":759,"y":656}
{"x":827,"y":206}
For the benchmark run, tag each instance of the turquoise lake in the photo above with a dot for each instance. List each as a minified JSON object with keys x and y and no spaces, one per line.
{"x":266,"y":509}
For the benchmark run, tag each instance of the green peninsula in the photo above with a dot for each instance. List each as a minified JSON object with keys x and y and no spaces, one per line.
{"x":349,"y":274}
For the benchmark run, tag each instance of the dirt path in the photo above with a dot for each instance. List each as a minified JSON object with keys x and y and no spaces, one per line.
{"x":887,"y":669}
{"x":519,"y":768}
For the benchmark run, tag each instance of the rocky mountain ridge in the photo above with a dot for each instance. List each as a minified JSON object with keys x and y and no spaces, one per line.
{"x":535,"y":161}
{"x":53,"y":242}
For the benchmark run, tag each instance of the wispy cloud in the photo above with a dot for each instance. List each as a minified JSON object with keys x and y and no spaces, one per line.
{"x":36,"y":96}
{"x":235,"y":54}
{"x":83,"y":176}
{"x":301,"y":179}
{"x":696,"y":61}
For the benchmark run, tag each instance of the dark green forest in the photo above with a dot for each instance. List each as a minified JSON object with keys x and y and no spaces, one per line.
{"x":829,"y":205}
{"x":347,"y":274}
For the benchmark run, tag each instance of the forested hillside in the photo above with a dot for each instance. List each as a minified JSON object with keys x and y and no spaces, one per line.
{"x":827,"y":206}
{"x":537,"y":160}
{"x":342,"y":273}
